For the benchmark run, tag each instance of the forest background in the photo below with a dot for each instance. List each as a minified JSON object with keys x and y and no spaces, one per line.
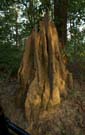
{"x":17,"y":19}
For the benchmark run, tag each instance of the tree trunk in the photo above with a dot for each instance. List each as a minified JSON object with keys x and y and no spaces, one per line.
{"x":60,"y":16}
{"x":43,"y":75}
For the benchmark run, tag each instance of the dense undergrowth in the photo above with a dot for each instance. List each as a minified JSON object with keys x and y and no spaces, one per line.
{"x":10,"y":57}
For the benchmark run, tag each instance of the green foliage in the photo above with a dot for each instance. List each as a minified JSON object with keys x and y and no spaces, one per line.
{"x":75,"y":48}
{"x":76,"y":43}
{"x":10,"y":57}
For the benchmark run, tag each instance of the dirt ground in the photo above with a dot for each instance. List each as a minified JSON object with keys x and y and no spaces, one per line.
{"x":70,"y":114}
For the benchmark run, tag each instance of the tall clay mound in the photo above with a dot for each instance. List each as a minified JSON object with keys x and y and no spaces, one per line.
{"x":43,"y":75}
